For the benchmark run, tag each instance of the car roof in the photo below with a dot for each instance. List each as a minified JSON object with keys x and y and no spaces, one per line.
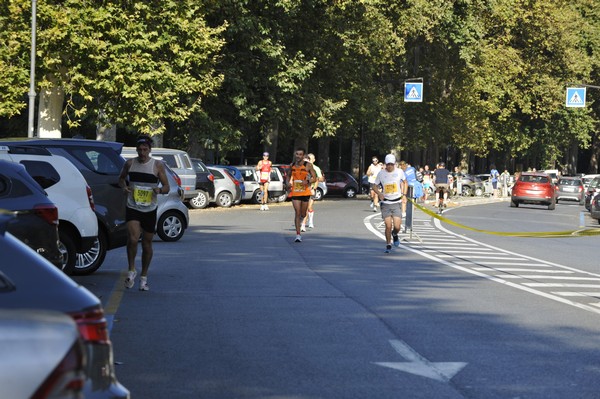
{"x":50,"y":142}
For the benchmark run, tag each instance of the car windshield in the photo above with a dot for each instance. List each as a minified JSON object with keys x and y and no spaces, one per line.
{"x":569,"y":182}
{"x":533,"y":179}
{"x":594,"y":183}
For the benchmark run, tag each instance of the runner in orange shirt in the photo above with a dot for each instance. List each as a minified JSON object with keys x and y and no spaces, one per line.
{"x":302,"y":177}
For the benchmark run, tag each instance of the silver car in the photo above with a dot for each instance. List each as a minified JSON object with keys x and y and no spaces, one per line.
{"x":227,"y":188}
{"x":277,"y":190}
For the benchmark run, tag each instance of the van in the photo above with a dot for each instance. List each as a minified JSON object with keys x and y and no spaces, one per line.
{"x":179,"y":161}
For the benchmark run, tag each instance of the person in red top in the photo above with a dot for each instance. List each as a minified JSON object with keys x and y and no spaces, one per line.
{"x":300,"y":180}
{"x":264,"y":177}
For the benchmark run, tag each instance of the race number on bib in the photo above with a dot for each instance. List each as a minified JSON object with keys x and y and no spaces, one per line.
{"x":299,"y":186}
{"x":264,"y":176}
{"x":142,"y":195}
{"x":390,"y":188}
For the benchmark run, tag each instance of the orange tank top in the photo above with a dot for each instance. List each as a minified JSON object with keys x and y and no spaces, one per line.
{"x":300,"y":187}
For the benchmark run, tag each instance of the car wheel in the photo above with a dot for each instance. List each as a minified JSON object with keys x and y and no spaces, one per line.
{"x":282,"y":197}
{"x":552,"y":205}
{"x":224,"y":199}
{"x":170,"y":226}
{"x":67,"y":247}
{"x":467,"y":191}
{"x":350,"y":192}
{"x":88,"y":262}
{"x":478,"y":191}
{"x":257,"y":196}
{"x":200,"y":201}
{"x":514,"y":204}
{"x":318,"y":194}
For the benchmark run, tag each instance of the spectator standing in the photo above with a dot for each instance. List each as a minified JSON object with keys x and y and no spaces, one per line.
{"x":311,"y":212}
{"x":393,"y":182}
{"x":140,"y":178}
{"x":264,"y":177}
{"x":494,"y":179}
{"x":372,"y":172}
{"x":301,"y":178}
{"x":504,"y":181}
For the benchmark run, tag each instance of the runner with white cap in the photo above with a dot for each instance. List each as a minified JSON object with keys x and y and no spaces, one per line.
{"x":393,"y":181}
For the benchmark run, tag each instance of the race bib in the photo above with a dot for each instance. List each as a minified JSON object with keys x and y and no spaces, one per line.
{"x":390,"y":188}
{"x":264,"y":176}
{"x":142,"y":196}
{"x":299,"y":186}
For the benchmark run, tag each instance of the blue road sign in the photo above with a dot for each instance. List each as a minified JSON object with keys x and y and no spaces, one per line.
{"x":413,"y":92}
{"x":575,"y":97}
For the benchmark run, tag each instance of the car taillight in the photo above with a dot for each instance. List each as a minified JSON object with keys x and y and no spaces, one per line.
{"x":67,"y":379}
{"x":177,"y":179}
{"x":88,"y":190}
{"x":211,"y":177}
{"x":92,"y":326}
{"x":47,"y":212}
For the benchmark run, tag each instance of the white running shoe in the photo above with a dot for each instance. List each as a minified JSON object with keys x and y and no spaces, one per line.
{"x":298,"y":238}
{"x":144,"y":284}
{"x":266,"y":207}
{"x":130,"y":280}
{"x":311,"y":226}
{"x":302,"y":227}
{"x":262,"y":207}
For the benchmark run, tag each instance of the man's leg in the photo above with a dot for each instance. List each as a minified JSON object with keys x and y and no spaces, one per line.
{"x":147,"y":252}
{"x":265,"y":197}
{"x":133,"y":235}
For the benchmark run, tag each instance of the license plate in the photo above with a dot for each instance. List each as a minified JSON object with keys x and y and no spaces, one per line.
{"x":569,"y":189}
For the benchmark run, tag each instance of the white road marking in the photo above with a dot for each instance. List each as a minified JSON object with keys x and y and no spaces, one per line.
{"x":515,"y":269}
{"x":411,"y":247}
{"x":418,"y":365}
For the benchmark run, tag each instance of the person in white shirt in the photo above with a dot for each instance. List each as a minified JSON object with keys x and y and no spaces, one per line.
{"x":372,"y":173}
{"x":393,"y":181}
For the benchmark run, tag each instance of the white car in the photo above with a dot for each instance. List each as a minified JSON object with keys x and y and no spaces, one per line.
{"x":67,"y":188}
{"x":277,"y":190}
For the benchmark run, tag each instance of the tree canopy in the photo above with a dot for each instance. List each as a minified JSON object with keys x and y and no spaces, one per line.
{"x":230,"y":74}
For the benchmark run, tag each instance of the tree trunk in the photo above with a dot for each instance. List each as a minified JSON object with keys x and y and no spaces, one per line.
{"x":355,"y":159}
{"x":593,"y":167}
{"x":50,"y":113}
{"x":323,"y":155}
{"x":272,"y":139}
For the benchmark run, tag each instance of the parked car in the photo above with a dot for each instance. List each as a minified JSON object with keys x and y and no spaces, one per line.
{"x":67,"y":188}
{"x":172,"y":216}
{"x":341,"y":183}
{"x":586,"y":179}
{"x":177,"y":160}
{"x":237,"y":175}
{"x":100,"y":163}
{"x":595,"y":207}
{"x":593,"y":188}
{"x":571,"y":189}
{"x":205,"y":185}
{"x":36,"y":216}
{"x":533,"y":188}
{"x":227,"y":189}
{"x":28,"y":281}
{"x":277,"y":186}
{"x":471,"y":185}
{"x":42,"y":355}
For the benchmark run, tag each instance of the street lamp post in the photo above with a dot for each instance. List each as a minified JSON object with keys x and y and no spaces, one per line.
{"x":30,"y":126}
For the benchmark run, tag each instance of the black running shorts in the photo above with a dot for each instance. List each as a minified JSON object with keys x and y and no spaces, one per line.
{"x":147,"y":219}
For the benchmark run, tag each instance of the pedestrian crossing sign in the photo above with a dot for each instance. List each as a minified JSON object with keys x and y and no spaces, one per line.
{"x":575,"y":97}
{"x":413,"y":92}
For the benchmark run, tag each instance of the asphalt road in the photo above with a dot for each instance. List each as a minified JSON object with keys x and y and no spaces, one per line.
{"x":238,"y":310}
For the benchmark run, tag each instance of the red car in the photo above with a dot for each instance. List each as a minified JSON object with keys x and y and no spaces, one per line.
{"x":533,"y":188}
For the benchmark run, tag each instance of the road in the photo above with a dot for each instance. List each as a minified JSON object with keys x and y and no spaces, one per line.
{"x":238,"y":310}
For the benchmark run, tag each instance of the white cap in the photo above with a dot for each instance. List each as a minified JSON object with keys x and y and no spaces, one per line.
{"x":390,"y":158}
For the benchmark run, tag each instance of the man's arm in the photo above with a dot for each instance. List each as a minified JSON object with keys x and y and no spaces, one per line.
{"x":164,"y":180}
{"x":259,"y":165}
{"x":123,"y":175}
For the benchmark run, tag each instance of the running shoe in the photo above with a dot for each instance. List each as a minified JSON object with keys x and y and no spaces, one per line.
{"x":298,"y":238}
{"x":388,"y":249}
{"x":262,"y":207}
{"x":311,"y":226}
{"x":130,"y":280}
{"x":396,"y":240}
{"x":266,"y":207}
{"x":144,"y":284}
{"x":302,"y":227}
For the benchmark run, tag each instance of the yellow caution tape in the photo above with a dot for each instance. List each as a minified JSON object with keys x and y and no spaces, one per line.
{"x":538,"y":234}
